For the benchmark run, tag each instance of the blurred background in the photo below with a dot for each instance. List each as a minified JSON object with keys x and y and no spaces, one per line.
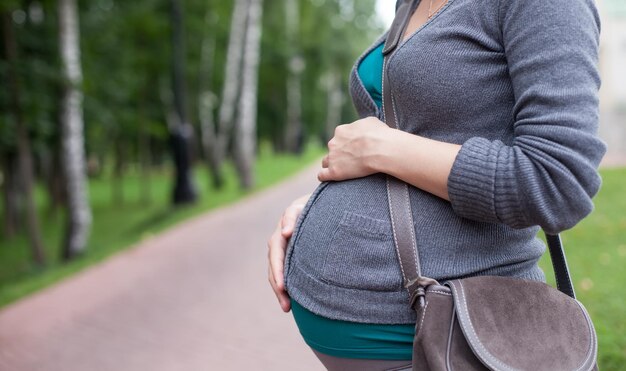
{"x":121,"y":119}
{"x":174,"y":102}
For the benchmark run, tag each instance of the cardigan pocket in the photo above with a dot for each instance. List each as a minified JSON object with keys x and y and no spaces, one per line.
{"x":362,"y":255}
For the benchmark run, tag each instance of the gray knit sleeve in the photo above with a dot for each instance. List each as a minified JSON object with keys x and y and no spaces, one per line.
{"x":548,"y":174}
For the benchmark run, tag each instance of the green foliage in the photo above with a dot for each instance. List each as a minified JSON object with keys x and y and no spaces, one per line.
{"x":9,"y":5}
{"x":125,"y":52}
{"x":327,"y":38}
{"x":37,"y":73}
{"x":349,"y":28}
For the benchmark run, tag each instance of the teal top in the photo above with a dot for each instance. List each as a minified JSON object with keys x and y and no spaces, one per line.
{"x":353,"y":339}
{"x":370,"y":72}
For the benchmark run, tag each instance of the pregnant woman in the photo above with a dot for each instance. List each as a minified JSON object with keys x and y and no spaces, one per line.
{"x":496,"y":103}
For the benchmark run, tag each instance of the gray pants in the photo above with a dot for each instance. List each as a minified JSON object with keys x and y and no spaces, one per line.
{"x":349,"y":364}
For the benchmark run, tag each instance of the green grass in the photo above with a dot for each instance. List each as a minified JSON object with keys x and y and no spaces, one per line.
{"x":116,"y":227}
{"x":596,"y":254}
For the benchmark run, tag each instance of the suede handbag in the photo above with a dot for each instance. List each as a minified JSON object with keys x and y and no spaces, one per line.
{"x":485,"y":322}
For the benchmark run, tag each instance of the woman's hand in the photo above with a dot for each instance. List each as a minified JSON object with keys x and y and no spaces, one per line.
{"x":369,"y":146}
{"x":354,"y":150}
{"x":277,"y":245}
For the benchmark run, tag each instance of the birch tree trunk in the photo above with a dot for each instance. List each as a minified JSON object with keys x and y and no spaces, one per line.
{"x":207,"y":100}
{"x":232,"y":84}
{"x":245,"y":127}
{"x":73,"y":146}
{"x":334,"y":102}
{"x":25,"y":159}
{"x":293,"y":130}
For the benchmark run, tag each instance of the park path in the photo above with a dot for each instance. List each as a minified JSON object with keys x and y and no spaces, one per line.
{"x":193,"y":298}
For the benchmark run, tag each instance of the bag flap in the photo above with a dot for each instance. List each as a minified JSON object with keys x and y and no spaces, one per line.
{"x":514,"y":324}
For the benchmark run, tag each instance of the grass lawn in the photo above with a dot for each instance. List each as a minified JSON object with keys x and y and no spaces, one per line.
{"x":116,"y":227}
{"x":596,"y":253}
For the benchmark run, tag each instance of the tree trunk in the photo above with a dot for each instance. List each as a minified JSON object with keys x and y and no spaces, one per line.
{"x":25,"y":159}
{"x":245,"y":127}
{"x":11,"y":193}
{"x":293,"y":129}
{"x":207,"y":101}
{"x":334,"y":103}
{"x":73,"y":141}
{"x":117,"y":189}
{"x":206,"y":105}
{"x":55,"y":179}
{"x":231,"y":87}
{"x":143,"y":152}
{"x":180,"y":130}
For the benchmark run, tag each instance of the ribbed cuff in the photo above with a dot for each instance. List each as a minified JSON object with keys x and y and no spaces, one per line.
{"x":482,"y":184}
{"x":472,"y":179}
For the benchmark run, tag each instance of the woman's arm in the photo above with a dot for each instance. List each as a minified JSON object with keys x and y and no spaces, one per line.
{"x":547,"y":175}
{"x":422,"y":162}
{"x":369,"y":146}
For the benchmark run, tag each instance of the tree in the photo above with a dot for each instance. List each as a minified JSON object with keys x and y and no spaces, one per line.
{"x":207,"y":99}
{"x":125,"y":69}
{"x":25,"y":159}
{"x":231,"y":85}
{"x":332,"y":82}
{"x":73,"y":145}
{"x":295,"y":67}
{"x":245,"y":126}
{"x":180,"y":129}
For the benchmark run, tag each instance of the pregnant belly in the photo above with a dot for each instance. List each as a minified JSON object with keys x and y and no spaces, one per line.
{"x":344,"y":237}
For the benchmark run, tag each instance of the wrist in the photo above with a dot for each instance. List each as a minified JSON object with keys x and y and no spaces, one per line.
{"x":381,"y":157}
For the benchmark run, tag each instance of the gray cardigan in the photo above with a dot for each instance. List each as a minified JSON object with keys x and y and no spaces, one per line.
{"x":516,"y":83}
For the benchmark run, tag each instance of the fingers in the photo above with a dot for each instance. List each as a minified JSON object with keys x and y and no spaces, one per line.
{"x":325,"y":161}
{"x":325,"y":175}
{"x":281,"y":295}
{"x":276,"y":257}
{"x":289,"y":218}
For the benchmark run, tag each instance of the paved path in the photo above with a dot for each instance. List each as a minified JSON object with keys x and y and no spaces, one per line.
{"x":194,"y":298}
